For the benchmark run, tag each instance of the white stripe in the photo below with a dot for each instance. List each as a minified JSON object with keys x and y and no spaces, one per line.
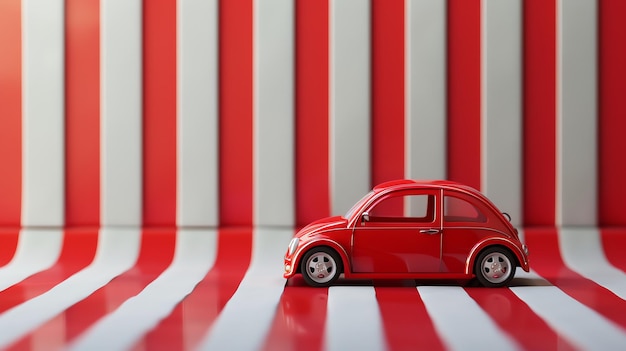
{"x":582,"y":251}
{"x":117,"y":252}
{"x":573,"y":320}
{"x":460,"y":322}
{"x":245,"y":320}
{"x":425,"y":120}
{"x":43,"y":113}
{"x":353,"y":319}
{"x":349,"y":102}
{"x":274,"y":112}
{"x":197,"y":113}
{"x":121,"y":112}
{"x":195,"y":254}
{"x":501,"y":120}
{"x":576,"y":113}
{"x":37,"y":250}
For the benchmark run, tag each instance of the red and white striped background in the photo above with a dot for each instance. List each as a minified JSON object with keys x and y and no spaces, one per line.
{"x":215,"y":117}
{"x":201,"y":113}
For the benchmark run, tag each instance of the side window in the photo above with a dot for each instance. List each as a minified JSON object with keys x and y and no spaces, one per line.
{"x":407,"y":208}
{"x":459,"y":210}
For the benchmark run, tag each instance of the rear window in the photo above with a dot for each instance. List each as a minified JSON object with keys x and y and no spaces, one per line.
{"x":460,"y":210}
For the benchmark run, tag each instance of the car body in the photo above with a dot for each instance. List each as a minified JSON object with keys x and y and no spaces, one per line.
{"x":408,"y":229}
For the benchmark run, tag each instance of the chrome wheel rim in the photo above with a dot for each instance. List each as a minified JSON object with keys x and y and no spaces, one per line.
{"x":321,"y":267}
{"x":496,"y":267}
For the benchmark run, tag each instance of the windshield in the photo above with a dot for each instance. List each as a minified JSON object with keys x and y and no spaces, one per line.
{"x":358,"y":204}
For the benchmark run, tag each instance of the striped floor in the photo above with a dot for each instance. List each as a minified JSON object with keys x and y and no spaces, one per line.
{"x":168,"y":289}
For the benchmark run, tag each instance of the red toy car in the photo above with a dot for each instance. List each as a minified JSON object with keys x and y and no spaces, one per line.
{"x":408,"y":229}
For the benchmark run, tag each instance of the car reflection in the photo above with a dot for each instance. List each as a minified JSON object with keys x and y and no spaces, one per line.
{"x":300,"y":319}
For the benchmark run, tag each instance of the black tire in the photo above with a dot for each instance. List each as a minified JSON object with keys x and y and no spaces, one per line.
{"x":321,"y":266}
{"x":495,"y":267}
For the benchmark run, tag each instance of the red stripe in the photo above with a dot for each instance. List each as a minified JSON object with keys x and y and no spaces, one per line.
{"x":235,"y":104}
{"x":518,"y":320}
{"x":79,"y":249}
{"x":82,"y":113}
{"x":547,"y":261}
{"x":197,"y":312}
{"x":11,"y":112}
{"x":312,"y":163}
{"x":539,"y":125}
{"x":612,"y":112}
{"x":464,"y":92}
{"x":171,"y":334}
{"x":159,"y":108}
{"x":157,"y":252}
{"x":387,"y":91}
{"x":300,"y":319}
{"x":405,"y":319}
{"x":613,"y":243}
{"x":8,"y":244}
{"x":49,"y":335}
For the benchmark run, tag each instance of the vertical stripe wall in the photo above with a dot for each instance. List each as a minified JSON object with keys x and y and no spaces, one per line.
{"x":273,"y":112}
{"x":539,"y":112}
{"x":463,"y":94}
{"x":235,"y":112}
{"x":43,"y":112}
{"x":121,"y":112}
{"x":312,"y":195}
{"x":11,"y":113}
{"x":611,"y":111}
{"x":278,"y":112}
{"x":501,"y":154}
{"x":387,"y":90}
{"x":425,"y":89}
{"x":82,"y":112}
{"x":350,"y":94}
{"x":576,"y":112}
{"x":159,"y":113}
{"x":197,"y":103}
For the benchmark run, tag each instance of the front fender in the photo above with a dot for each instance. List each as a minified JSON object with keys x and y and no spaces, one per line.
{"x":522,"y":259}
{"x":321,"y":242}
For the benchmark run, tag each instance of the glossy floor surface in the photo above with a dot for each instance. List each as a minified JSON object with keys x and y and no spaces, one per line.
{"x":133,"y":289}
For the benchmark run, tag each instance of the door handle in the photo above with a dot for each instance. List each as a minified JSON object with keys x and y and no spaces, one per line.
{"x":429,"y":231}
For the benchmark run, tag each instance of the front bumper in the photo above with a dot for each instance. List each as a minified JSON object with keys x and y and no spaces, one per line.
{"x":290,"y":270}
{"x":525,"y":265}
{"x":525,"y":249}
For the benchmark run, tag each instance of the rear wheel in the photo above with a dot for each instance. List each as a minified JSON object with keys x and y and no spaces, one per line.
{"x":495,"y":267}
{"x":321,"y":266}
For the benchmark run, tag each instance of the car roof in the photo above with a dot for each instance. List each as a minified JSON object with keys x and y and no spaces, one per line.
{"x":433,"y":184}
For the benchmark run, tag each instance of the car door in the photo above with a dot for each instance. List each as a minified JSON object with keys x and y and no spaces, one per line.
{"x":465,"y":223}
{"x":400,"y":232}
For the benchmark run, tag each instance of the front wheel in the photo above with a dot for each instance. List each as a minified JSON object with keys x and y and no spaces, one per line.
{"x":321,"y":266}
{"x":495,"y":267}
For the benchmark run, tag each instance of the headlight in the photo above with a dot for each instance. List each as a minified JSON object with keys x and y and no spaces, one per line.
{"x":293,"y":245}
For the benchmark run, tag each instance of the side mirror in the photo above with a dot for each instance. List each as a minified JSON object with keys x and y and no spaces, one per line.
{"x":365,"y":217}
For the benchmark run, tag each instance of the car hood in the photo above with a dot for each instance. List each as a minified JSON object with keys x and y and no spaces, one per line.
{"x":322,"y":225}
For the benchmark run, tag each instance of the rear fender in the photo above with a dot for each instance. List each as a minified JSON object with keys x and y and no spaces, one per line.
{"x":522,"y":260}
